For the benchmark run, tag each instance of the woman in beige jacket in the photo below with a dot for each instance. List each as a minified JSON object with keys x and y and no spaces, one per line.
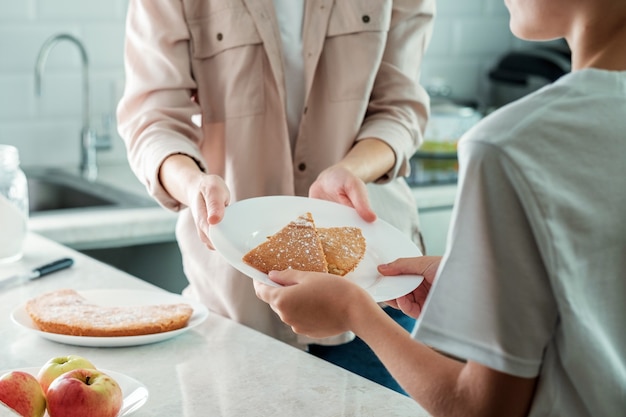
{"x":359,"y":117}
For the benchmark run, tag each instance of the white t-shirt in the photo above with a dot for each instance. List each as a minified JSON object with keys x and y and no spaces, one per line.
{"x":290,"y":14}
{"x":533,"y":282}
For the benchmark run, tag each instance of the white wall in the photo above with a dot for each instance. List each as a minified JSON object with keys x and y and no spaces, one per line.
{"x":469,"y":37}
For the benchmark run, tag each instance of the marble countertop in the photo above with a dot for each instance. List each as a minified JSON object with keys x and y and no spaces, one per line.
{"x":219,"y":368}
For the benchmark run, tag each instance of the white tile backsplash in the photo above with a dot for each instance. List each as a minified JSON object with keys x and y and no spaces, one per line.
{"x":469,"y":37}
{"x":12,"y":9}
{"x":81,"y":10}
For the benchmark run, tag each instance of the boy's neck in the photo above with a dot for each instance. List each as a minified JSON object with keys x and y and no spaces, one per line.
{"x":602,"y":47}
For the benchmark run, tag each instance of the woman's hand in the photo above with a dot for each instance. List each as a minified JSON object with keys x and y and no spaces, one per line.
{"x":344,"y":182}
{"x":426,"y":266}
{"x":207,"y":198}
{"x":205,"y":195}
{"x":340,"y":185}
{"x":313,"y":303}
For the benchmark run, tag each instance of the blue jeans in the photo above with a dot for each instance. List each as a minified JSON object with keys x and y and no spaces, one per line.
{"x":357,"y":357}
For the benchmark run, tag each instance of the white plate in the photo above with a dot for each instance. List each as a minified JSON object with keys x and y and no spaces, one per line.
{"x":135,"y":393}
{"x":247,"y":223}
{"x":119,"y":298}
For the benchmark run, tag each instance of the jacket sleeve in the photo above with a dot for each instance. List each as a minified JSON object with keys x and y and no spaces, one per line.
{"x":399,"y":106}
{"x":155,"y":113}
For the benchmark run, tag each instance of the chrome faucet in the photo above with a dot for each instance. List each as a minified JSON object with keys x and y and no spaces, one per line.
{"x":89,"y":140}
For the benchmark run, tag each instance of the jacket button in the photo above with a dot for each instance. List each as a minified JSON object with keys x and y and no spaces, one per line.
{"x":220,"y":36}
{"x":302,"y":166}
{"x":365,"y":18}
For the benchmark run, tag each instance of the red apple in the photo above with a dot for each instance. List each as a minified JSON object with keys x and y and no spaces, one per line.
{"x":56,"y":367}
{"x":84,"y":392}
{"x":21,"y":392}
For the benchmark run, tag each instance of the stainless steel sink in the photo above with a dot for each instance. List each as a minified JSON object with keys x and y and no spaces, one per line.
{"x":54,"y":190}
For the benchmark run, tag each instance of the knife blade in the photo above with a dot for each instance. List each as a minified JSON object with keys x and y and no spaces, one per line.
{"x":36,"y":273}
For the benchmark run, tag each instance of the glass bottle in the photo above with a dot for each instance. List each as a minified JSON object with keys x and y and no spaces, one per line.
{"x":13,"y":205}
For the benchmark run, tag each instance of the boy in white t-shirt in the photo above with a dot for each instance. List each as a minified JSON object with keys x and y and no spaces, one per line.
{"x":531,"y":292}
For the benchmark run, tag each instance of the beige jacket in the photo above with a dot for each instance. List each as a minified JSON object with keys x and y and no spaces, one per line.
{"x":362,"y":66}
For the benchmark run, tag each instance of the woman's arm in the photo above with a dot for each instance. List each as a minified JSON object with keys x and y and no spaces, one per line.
{"x":154,"y":114}
{"x":206,"y":195}
{"x":395,"y":117}
{"x":398,"y":108}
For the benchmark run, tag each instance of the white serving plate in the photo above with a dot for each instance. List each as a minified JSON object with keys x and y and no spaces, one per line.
{"x":247,"y":223}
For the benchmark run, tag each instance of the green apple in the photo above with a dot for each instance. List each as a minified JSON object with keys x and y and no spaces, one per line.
{"x":21,"y":392}
{"x":56,"y":367}
{"x":84,"y":392}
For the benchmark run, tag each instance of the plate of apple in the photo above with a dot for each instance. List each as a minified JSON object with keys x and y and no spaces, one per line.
{"x":69,"y":386}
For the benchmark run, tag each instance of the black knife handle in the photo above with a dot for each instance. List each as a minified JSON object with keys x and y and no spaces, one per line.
{"x":54,"y":266}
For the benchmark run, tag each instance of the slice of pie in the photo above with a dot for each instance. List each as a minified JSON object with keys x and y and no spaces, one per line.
{"x":344,"y":247}
{"x":295,"y":246}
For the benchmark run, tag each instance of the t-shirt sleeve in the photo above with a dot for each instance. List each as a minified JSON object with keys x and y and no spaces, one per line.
{"x":492,"y":301}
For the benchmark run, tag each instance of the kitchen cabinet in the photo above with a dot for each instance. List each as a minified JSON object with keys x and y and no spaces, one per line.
{"x":435,"y":224}
{"x":158,"y":263}
{"x":435,"y":203}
